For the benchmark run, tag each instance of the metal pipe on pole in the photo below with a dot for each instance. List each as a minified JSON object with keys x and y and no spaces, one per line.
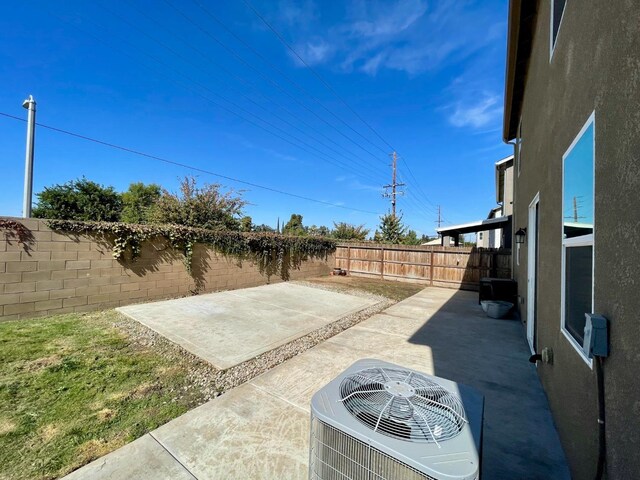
{"x":30,"y":105}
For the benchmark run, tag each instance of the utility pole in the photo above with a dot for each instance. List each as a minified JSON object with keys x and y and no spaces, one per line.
{"x":29,"y":104}
{"x":439,"y":220}
{"x":393,"y":184}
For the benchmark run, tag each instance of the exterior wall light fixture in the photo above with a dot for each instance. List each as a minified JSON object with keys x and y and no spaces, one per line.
{"x":520,"y":235}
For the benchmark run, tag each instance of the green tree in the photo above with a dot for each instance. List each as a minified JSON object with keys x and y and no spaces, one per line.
{"x":246,"y":224}
{"x":138,"y":201}
{"x":411,"y":238}
{"x":264,"y":228}
{"x":79,"y":199}
{"x":294,"y":226}
{"x":427,"y":238}
{"x":320,"y":231}
{"x":203,"y":207}
{"x":391,"y":229}
{"x":347,"y":231}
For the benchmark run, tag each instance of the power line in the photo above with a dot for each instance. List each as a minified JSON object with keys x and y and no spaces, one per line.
{"x":295,"y":127}
{"x":271,"y":81}
{"x":184,"y":165}
{"x":218,"y":66}
{"x":416,"y":182}
{"x":417,"y":199}
{"x":318,"y":76}
{"x":321,"y":155}
{"x":284,"y":75}
{"x":331,"y":89}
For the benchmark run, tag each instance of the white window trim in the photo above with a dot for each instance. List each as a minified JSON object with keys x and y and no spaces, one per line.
{"x":552,"y":44}
{"x":582,"y":241}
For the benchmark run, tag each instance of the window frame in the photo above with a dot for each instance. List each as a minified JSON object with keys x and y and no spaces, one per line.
{"x":581,"y":241}
{"x":553,"y":41}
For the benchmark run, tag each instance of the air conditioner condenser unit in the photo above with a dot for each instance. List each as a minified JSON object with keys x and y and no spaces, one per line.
{"x":380,"y":421}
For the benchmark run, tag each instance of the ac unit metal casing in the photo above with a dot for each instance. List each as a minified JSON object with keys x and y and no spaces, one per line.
{"x":343,"y":446}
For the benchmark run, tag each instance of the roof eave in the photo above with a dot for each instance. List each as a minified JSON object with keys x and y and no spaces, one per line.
{"x":522,"y":17}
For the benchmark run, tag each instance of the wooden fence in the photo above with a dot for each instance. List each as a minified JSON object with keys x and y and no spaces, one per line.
{"x":453,"y":267}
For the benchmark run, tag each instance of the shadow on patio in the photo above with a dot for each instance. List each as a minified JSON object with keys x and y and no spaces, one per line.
{"x":520,"y":440}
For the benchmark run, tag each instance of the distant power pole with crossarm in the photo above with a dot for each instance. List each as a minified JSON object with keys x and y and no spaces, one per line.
{"x":394,"y":184}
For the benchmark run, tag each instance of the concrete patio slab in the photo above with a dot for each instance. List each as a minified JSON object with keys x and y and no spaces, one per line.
{"x":261,"y":429}
{"x":251,"y":434}
{"x":143,"y":459}
{"x":228,"y":328}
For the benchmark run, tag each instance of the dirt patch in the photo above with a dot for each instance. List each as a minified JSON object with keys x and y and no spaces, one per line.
{"x":118,"y":396}
{"x":168,"y":371}
{"x":144,"y":390}
{"x":106,"y":414}
{"x":48,"y":432}
{"x":7,"y":426}
{"x":357,"y":285}
{"x":42,"y":363}
{"x":94,"y":449}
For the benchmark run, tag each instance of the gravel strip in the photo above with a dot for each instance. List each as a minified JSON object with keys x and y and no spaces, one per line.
{"x":211,"y":382}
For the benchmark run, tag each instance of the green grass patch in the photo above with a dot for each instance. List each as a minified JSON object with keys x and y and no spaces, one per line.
{"x":73,"y":388}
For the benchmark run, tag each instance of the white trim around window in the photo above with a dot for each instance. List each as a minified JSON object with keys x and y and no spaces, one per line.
{"x":578,"y":241}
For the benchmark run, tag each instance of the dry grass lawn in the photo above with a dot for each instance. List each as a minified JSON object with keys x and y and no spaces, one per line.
{"x":394,"y":290}
{"x":73,"y":388}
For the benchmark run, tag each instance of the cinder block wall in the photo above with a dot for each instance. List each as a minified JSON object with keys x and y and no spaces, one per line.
{"x":59,"y":273}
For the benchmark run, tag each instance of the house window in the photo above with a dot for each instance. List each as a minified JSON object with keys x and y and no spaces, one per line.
{"x":577,"y":233}
{"x":557,"y":11}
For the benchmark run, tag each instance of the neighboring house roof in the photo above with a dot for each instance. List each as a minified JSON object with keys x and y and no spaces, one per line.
{"x":494,"y":212}
{"x":522,"y":19}
{"x":479,"y":226}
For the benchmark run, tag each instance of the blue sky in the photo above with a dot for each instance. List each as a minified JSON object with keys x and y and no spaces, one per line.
{"x":165,"y":78}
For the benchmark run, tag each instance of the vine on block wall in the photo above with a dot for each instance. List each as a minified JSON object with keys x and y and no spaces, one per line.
{"x":16,"y":231}
{"x":273,"y":253}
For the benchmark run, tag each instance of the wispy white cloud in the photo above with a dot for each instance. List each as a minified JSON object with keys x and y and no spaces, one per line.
{"x":313,"y":52}
{"x":353,"y":183}
{"x":296,"y":13}
{"x":476,"y":114}
{"x":406,"y":35}
{"x":247,"y":144}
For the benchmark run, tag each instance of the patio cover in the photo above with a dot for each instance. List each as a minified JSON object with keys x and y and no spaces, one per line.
{"x":479,"y":226}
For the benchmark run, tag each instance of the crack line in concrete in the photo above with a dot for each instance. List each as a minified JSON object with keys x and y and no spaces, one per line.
{"x":172,"y":456}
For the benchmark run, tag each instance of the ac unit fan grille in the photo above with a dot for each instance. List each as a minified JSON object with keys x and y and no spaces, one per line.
{"x":403,"y":404}
{"x":338,"y":456}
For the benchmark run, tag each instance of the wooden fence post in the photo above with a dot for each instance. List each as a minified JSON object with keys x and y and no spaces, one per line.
{"x":431,"y":269}
{"x":493,"y":272}
{"x":348,"y":259}
{"x":382,"y":262}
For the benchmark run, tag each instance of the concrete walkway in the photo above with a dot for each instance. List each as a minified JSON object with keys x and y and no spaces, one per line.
{"x":260,"y":429}
{"x":228,"y":328}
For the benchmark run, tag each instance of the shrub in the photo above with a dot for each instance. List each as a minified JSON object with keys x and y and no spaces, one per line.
{"x":204,"y":207}
{"x":79,"y":200}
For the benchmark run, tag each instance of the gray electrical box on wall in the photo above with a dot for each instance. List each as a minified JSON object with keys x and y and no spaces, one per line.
{"x":596,"y":336}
